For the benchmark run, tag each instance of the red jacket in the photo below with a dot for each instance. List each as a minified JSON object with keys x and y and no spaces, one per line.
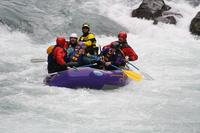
{"x":60,"y":53}
{"x":125,"y":49}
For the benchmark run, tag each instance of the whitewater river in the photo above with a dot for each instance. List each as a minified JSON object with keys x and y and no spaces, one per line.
{"x":170,"y":54}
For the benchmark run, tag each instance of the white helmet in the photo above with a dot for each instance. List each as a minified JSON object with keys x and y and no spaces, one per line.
{"x":74,"y":35}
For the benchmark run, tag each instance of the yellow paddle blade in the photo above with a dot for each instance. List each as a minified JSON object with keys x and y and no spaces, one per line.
{"x":133,"y":75}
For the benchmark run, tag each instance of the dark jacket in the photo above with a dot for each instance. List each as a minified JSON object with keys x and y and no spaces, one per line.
{"x":124,"y":48}
{"x":116,"y":58}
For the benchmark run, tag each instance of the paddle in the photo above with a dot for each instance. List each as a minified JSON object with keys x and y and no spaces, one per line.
{"x":38,"y":60}
{"x":143,"y":73}
{"x":133,"y":75}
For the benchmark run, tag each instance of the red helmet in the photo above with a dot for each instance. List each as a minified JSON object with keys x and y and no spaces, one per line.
{"x":122,"y":35}
{"x":60,"y":41}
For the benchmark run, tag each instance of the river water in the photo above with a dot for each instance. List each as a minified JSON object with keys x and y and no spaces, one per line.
{"x":168,"y":53}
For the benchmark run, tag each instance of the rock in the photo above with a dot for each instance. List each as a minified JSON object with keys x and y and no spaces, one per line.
{"x":156,"y":10}
{"x":167,"y":20}
{"x":150,"y":9}
{"x":195,"y":24}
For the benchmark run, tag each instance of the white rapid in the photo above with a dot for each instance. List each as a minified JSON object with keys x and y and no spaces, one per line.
{"x":167,"y":104}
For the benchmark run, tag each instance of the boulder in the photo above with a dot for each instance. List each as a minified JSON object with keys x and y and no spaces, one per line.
{"x":150,"y":9}
{"x":195,"y":24}
{"x":167,"y":20}
{"x":155,"y":10}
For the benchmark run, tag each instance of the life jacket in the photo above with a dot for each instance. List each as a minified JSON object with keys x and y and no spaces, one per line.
{"x":116,"y":58}
{"x":90,"y":41}
{"x":53,"y":66}
{"x":119,"y":59}
{"x":128,"y":51}
{"x":50,"y":48}
{"x":106,"y":54}
{"x":77,"y":56}
{"x":71,"y":49}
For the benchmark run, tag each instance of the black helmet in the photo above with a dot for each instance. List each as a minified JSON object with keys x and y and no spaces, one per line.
{"x":116,"y":46}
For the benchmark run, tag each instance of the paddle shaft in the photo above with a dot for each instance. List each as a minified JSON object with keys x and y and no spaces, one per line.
{"x":145,"y":74}
{"x":38,"y":60}
{"x":134,"y":66}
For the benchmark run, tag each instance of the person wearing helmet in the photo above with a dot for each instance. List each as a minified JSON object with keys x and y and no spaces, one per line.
{"x":80,"y":57}
{"x":73,"y":43}
{"x":58,"y":56}
{"x":77,"y":56}
{"x":88,"y":39}
{"x":76,"y":51}
{"x":73,"y":40}
{"x":109,"y":56}
{"x":122,"y":47}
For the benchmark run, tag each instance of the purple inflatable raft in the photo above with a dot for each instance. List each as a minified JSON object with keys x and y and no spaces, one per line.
{"x":86,"y":77}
